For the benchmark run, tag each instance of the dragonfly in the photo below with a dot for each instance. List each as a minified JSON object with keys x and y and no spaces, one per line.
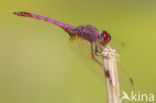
{"x":86,"y":37}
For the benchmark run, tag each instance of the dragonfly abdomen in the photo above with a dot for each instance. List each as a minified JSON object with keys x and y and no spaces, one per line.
{"x":68,"y":28}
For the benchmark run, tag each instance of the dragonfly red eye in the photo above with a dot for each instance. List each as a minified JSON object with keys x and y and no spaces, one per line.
{"x":105,"y":37}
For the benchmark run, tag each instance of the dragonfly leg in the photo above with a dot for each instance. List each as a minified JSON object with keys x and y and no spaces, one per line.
{"x":106,"y":72}
{"x":96,"y":48}
{"x":100,"y":48}
{"x":93,"y":57}
{"x":97,"y":51}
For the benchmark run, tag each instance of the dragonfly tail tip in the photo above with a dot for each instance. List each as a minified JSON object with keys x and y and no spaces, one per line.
{"x":131,"y":80}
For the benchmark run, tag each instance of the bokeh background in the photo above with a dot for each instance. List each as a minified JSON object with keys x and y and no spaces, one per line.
{"x":38,"y":66}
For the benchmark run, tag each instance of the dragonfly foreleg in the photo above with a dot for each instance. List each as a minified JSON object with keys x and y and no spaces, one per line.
{"x":96,"y":48}
{"x":97,"y":51}
{"x":92,"y":54}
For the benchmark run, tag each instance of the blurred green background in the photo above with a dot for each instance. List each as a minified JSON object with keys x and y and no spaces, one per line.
{"x":37,"y":65}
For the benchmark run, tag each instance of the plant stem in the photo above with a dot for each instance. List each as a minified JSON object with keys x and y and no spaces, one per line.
{"x":111,"y":74}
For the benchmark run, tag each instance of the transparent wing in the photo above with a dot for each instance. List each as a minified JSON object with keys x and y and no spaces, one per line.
{"x":83,"y":49}
{"x":117,"y":44}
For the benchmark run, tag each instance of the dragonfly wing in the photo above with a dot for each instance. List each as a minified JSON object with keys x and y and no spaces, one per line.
{"x":83,"y":49}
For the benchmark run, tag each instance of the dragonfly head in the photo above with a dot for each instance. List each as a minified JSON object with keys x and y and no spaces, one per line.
{"x":104,"y":37}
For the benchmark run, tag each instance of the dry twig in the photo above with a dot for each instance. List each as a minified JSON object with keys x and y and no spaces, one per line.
{"x":111,"y":74}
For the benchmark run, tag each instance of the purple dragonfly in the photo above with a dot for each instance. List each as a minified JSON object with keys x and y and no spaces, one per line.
{"x":86,"y":32}
{"x":87,"y":39}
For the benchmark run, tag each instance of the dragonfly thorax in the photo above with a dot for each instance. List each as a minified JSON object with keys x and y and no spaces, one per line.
{"x":86,"y":32}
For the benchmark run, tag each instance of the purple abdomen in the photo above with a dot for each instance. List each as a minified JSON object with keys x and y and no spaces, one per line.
{"x":66,"y":27}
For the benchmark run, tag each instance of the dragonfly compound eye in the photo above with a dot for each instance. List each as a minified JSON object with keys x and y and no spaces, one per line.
{"x":105,"y":37}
